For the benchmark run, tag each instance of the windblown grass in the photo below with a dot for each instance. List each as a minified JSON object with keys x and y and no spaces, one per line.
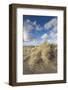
{"x":40,"y":59}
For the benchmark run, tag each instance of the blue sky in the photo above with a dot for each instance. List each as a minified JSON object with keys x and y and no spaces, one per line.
{"x":38,"y":29}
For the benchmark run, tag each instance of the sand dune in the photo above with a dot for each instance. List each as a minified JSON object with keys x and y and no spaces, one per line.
{"x":40,"y":59}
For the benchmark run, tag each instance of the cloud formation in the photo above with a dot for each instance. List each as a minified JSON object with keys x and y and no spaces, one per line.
{"x":51,"y":24}
{"x":44,"y":36}
{"x":50,"y":35}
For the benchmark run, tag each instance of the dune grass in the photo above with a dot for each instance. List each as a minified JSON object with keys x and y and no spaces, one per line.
{"x":40,"y":59}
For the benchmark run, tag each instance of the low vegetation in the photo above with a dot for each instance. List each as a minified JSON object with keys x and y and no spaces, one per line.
{"x":40,"y":59}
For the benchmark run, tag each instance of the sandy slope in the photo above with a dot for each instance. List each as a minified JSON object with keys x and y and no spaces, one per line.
{"x":40,"y":59}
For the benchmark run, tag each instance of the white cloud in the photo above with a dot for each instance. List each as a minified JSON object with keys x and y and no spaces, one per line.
{"x":26,"y":36}
{"x":51,"y":37}
{"x":27,"y":21}
{"x":38,"y":28}
{"x":35,"y":23}
{"x":33,"y":43}
{"x":28,"y":27}
{"x":44,"y":36}
{"x":51,"y":24}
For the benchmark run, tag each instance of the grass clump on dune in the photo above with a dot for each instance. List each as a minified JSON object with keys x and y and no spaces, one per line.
{"x":42,"y":58}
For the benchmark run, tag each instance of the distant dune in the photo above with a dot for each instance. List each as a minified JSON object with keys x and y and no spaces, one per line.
{"x":40,"y":59}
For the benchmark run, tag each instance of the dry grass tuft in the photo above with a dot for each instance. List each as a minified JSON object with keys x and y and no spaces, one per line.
{"x":41,"y":59}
